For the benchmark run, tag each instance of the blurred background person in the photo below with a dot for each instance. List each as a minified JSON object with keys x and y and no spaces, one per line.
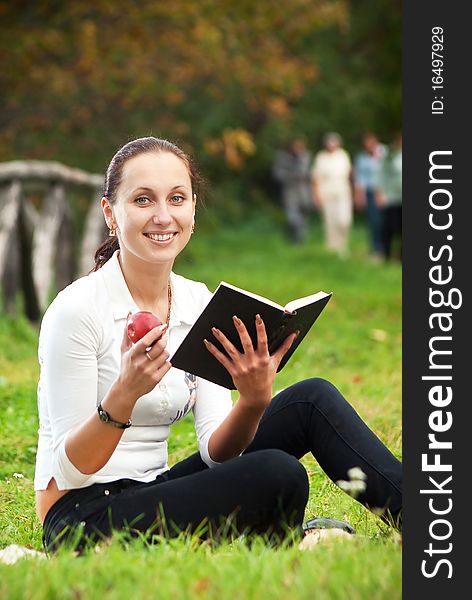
{"x":332,"y":192}
{"x":365,"y":172}
{"x":389,"y":196}
{"x":291,"y":169}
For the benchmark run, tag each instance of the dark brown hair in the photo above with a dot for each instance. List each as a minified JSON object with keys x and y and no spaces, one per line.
{"x":114,"y":174}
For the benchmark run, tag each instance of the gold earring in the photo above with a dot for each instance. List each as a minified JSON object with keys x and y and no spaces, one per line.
{"x":112,"y":232}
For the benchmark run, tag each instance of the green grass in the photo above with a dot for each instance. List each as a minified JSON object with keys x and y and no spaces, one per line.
{"x":356,"y":344}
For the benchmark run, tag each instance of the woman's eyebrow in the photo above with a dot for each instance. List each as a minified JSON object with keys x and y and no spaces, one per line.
{"x":147,"y":189}
{"x":141,"y":189}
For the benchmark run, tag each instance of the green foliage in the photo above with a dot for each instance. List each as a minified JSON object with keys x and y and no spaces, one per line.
{"x":23,"y":338}
{"x":228,"y":80}
{"x":356,"y":344}
{"x":362,"y":569}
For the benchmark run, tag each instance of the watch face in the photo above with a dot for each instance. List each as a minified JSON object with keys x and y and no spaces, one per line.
{"x":103,"y":416}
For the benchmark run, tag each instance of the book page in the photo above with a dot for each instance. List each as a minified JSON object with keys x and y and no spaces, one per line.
{"x":289,"y":307}
{"x":251,"y":295}
{"x":294,"y":304}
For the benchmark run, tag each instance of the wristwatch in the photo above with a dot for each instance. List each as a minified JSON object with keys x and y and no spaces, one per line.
{"x":105,"y":417}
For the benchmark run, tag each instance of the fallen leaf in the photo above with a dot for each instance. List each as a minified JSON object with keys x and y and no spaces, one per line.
{"x":201,"y":585}
{"x":379,"y":335}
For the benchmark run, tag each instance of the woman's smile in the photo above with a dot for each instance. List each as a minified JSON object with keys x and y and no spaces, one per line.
{"x":161,"y":239}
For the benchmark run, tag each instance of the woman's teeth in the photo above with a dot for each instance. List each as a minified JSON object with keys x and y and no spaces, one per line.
{"x":159,"y":237}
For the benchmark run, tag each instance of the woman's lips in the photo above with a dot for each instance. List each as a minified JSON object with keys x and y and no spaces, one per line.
{"x":161,"y":238}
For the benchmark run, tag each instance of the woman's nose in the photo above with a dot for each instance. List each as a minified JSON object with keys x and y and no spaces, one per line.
{"x":161,"y":215}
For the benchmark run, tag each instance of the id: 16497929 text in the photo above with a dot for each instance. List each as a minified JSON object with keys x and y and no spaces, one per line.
{"x":437,"y":68}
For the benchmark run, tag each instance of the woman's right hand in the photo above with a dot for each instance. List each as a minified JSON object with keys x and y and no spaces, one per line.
{"x":138,"y":376}
{"x":144,"y":363}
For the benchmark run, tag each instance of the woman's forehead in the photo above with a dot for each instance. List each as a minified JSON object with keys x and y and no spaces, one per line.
{"x":155,"y":168}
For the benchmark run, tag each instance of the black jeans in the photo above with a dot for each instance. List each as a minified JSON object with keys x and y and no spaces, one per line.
{"x":391,"y":229}
{"x":264,"y":491}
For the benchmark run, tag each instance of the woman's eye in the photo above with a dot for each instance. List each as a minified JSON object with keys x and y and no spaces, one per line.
{"x":177,"y":199}
{"x":142,"y":200}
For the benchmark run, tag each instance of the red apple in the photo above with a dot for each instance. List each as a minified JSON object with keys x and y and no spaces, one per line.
{"x":139,"y":323}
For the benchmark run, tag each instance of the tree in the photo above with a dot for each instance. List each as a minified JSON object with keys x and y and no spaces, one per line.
{"x":228,"y":80}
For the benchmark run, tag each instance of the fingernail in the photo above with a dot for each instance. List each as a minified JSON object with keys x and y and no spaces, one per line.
{"x":258,"y":318}
{"x":214,"y":330}
{"x":206,"y":342}
{"x":236,"y":319}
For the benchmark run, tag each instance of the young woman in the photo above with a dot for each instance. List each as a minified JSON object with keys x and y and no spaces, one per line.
{"x":106,"y":406}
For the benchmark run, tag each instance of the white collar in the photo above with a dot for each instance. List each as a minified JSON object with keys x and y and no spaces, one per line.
{"x":182,"y":309}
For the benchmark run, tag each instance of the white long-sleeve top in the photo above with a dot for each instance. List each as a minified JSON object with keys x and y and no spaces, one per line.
{"x":79,"y":355}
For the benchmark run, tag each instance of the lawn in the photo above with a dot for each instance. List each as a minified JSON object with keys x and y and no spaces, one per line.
{"x":356,"y":344}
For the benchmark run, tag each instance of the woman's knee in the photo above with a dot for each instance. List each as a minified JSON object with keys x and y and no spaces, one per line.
{"x":283,"y":472}
{"x":315,"y":389}
{"x":313,"y":396}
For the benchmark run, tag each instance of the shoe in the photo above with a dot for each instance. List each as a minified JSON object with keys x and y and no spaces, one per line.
{"x":326,"y":523}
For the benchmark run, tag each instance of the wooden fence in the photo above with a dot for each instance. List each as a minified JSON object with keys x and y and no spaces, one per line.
{"x":40,"y":252}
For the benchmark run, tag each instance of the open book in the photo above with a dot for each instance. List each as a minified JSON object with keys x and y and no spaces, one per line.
{"x":228,"y":300}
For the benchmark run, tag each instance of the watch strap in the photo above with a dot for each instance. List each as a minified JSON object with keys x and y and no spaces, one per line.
{"x":106,"y":418}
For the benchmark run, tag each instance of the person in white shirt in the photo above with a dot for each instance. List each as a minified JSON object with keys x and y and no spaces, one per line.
{"x":106,"y":405}
{"x":332,"y":192}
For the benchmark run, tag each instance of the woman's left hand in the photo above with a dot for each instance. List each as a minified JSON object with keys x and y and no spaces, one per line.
{"x":253,"y":370}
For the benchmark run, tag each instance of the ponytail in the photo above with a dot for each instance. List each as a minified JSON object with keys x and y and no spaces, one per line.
{"x":105,"y":251}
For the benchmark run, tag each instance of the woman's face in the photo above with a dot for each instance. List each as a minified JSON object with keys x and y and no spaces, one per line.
{"x":332,"y":144}
{"x":154,"y":209}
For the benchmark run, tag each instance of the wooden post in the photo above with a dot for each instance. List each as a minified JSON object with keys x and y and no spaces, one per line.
{"x":64,"y":256}
{"x":44,"y":243}
{"x":27,"y":218}
{"x":9,"y":209}
{"x":9,"y":206}
{"x":95,"y":232}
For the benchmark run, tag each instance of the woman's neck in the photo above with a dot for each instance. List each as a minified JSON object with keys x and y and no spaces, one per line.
{"x":148,"y":284}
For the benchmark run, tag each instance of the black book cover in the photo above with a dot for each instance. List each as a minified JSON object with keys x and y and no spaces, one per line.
{"x":192,"y":355}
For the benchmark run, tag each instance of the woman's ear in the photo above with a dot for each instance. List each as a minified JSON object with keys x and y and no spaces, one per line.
{"x":107,"y":212}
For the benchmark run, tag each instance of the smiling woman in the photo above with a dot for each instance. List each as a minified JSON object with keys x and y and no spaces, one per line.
{"x":149,"y":152}
{"x":153,"y":219}
{"x":106,"y":405}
